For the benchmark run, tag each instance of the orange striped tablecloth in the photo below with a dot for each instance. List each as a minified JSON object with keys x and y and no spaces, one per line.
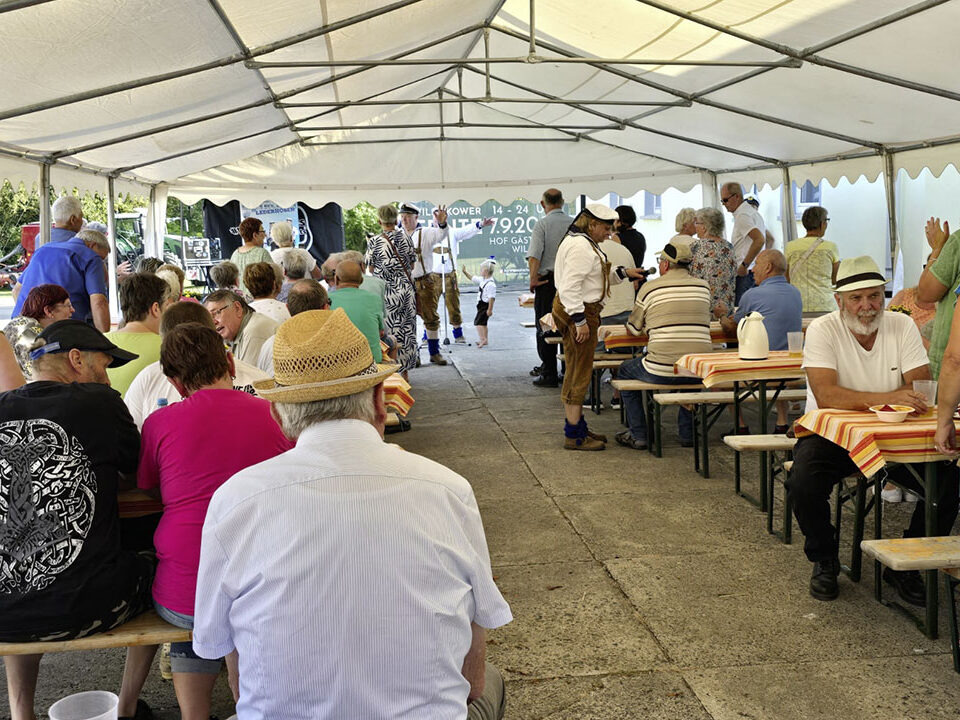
{"x":726,"y":367}
{"x":617,"y":336}
{"x":871,"y":442}
{"x":396,"y":394}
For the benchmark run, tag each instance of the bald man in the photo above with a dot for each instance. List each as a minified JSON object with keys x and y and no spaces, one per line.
{"x":780,"y":304}
{"x":364,"y":309}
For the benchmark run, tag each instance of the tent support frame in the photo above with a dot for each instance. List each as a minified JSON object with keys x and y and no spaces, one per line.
{"x":708,"y":185}
{"x":112,"y":237}
{"x":45,"y":219}
{"x":890,"y":185}
{"x":787,"y":220}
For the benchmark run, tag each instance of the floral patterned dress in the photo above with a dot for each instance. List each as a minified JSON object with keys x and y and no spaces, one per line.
{"x":714,"y":261}
{"x":399,"y":299}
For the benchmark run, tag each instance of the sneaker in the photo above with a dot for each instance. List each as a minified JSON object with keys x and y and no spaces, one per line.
{"x":823,"y":581}
{"x":627,"y":440}
{"x":615,"y":403}
{"x":780,"y":429}
{"x":460,"y":340}
{"x":535,"y":372}
{"x":908,"y":584}
{"x":892,"y":494}
{"x":546,"y":382}
{"x":909,"y":497}
{"x":438,"y":359}
{"x":587,"y":443}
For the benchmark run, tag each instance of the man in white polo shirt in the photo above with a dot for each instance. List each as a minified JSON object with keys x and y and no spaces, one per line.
{"x":856,"y":357}
{"x":748,"y":235}
{"x":353,"y":578}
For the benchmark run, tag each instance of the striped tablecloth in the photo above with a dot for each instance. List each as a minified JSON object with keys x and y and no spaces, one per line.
{"x":871,"y":442}
{"x":726,"y":367}
{"x":396,"y":394}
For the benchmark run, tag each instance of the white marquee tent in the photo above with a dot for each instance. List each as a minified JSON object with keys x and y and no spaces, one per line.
{"x":472,"y":99}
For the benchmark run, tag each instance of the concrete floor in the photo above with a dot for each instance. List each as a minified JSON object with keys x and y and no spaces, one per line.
{"x":640,"y":589}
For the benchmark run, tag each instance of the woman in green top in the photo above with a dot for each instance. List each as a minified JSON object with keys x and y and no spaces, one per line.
{"x":252,"y":251}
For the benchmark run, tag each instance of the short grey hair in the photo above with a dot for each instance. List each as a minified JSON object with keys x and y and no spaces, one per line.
{"x":65,"y":207}
{"x":225,"y":274}
{"x":294,"y":264}
{"x":712,"y":220}
{"x":683,"y":217}
{"x":295,"y":418}
{"x":97,"y":239}
{"x":387,"y":214}
{"x":813,"y":217}
{"x":172,"y":281}
{"x":282,"y":234}
{"x":354,"y":256}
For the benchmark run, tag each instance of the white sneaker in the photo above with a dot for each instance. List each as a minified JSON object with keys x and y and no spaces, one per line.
{"x":909,"y":497}
{"x":892,"y":495}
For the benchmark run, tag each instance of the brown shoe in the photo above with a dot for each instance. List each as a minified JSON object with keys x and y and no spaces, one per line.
{"x":596,"y":436}
{"x":587,"y":443}
{"x":438,"y":359}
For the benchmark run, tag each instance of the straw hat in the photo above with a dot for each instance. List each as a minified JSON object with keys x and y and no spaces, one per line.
{"x":858,"y":273}
{"x":318,"y":355}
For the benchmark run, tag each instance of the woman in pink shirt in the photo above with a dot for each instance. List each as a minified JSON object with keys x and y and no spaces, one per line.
{"x":188,"y":450}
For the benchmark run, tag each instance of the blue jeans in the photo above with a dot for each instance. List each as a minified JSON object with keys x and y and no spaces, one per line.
{"x":633,"y":404}
{"x":742,"y":285}
{"x":182,"y":657}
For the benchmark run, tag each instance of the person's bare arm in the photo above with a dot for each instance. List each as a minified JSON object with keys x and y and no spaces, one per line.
{"x":729,"y":325}
{"x":769,"y":240}
{"x":490,"y":307}
{"x":316,"y":273}
{"x":757,"y":241}
{"x":100,"y":308}
{"x":534,"y":265}
{"x":948,"y":391}
{"x":830,"y":394}
{"x":10,"y":375}
{"x":475,"y":663}
{"x":833,"y":274}
{"x":929,"y":288}
{"x":15,"y":290}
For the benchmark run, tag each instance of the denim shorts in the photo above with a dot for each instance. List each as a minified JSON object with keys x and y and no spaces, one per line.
{"x":182,"y":657}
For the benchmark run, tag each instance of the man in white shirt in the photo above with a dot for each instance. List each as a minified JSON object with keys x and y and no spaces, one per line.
{"x":353,"y":578}
{"x":447,"y":266}
{"x":427,"y":283}
{"x":150,"y":389}
{"x":242,"y":328}
{"x":748,"y":235}
{"x":857,"y":357}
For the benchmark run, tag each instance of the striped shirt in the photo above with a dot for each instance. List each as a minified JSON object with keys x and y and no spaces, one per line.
{"x":346,"y":572}
{"x":674,"y":310}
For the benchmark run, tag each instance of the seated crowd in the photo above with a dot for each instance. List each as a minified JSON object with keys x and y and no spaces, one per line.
{"x":297,"y":541}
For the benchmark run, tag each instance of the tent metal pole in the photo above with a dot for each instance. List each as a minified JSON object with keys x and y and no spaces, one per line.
{"x":410,"y":126}
{"x":533,"y":26}
{"x":708,"y":185}
{"x":11,"y":5}
{"x":112,"y":257}
{"x":460,"y":91}
{"x":483,"y":100}
{"x":45,"y":219}
{"x":798,"y":55}
{"x":308,"y":142}
{"x":516,"y":60}
{"x":440,"y":108}
{"x":212,"y":65}
{"x":787,"y":218}
{"x":695,"y":98}
{"x":654,"y":131}
{"x":486,"y":53}
{"x":890,"y":179}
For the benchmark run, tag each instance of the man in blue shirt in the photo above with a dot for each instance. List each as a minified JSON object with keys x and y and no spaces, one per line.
{"x":76,"y":265}
{"x":780,"y":304}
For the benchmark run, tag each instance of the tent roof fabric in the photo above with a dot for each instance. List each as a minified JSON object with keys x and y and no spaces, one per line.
{"x":234,"y":99}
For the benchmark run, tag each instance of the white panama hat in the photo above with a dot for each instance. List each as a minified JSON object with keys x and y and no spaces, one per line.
{"x":858,"y":273}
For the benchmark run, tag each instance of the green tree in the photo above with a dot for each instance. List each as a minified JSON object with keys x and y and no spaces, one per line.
{"x":357,"y":223}
{"x":95,"y":205}
{"x":192,"y":217}
{"x":18,"y":206}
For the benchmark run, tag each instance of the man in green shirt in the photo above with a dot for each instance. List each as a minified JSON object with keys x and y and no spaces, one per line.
{"x":364,"y":309}
{"x":143,"y":298}
{"x":938,"y":283}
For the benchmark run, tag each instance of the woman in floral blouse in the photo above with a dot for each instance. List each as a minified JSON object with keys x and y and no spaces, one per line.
{"x":714,"y":261}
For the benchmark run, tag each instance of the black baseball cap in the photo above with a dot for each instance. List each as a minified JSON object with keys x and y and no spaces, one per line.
{"x":65,"y":335}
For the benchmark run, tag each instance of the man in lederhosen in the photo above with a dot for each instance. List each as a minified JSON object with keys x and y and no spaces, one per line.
{"x":427,"y":283}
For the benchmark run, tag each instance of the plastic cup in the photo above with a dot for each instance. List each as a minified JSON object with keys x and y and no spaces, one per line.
{"x":795,"y":343}
{"x":927,"y":388}
{"x":90,"y":705}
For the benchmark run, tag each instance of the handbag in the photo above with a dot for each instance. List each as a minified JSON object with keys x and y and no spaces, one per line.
{"x":406,"y":271}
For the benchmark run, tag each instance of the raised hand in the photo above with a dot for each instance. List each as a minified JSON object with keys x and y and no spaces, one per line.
{"x":487,"y":222}
{"x":936,"y":234}
{"x":441,"y":215}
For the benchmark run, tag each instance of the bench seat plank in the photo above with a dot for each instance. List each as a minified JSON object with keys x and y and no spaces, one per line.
{"x":925,"y":553}
{"x":637,"y":385}
{"x":145,"y":629}
{"x":719,"y":398}
{"x":759,"y":443}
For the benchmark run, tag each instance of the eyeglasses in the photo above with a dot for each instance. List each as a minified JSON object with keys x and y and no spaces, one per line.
{"x":216,"y":313}
{"x":725,"y":200}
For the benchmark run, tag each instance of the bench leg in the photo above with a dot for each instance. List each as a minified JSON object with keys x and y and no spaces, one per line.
{"x":697,"y":420}
{"x":787,"y":517}
{"x":658,"y":424}
{"x":770,"y":494}
{"x":704,"y":439}
{"x":856,"y":555}
{"x":877,"y":534}
{"x":949,"y":589}
{"x":736,"y":472}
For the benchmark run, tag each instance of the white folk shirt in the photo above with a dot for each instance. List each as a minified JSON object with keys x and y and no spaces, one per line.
{"x":579,"y":274}
{"x":622,"y":295}
{"x":150,"y":385}
{"x":346,"y":572}
{"x":897,"y":350}
{"x":447,"y":262}
{"x":745,"y":218}
{"x":424,"y":240}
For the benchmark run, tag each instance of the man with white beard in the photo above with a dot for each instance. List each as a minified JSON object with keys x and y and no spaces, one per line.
{"x":855,"y":357}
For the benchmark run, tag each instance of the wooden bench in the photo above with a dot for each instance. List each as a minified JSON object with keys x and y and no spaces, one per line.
{"x":527,"y":324}
{"x":924,"y":553}
{"x":651,"y":408}
{"x":145,"y":629}
{"x":704,"y":419}
{"x":767,"y":446}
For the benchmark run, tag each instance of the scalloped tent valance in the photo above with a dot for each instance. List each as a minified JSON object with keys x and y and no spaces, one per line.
{"x":349,"y":100}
